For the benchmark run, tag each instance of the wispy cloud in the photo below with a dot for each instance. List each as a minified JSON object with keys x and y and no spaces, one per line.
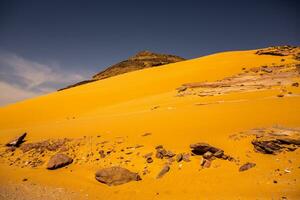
{"x":21,"y":78}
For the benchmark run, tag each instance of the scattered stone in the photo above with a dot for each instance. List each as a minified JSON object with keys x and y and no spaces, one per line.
{"x":17,"y":141}
{"x":266,"y":69}
{"x":102,"y":154}
{"x":274,"y":181}
{"x":179,"y":157}
{"x":205,"y":163}
{"x":149,"y":160}
{"x":164,"y":170}
{"x":186,"y":157}
{"x":247,"y":166}
{"x":116,"y":176}
{"x":280,"y":95}
{"x":296,"y":84}
{"x":139,"y":146}
{"x":59,"y":160}
{"x":146,"y":134}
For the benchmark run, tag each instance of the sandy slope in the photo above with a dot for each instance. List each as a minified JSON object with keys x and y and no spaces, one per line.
{"x":126,"y":106}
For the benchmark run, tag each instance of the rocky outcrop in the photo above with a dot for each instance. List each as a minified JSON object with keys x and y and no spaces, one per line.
{"x":280,"y":51}
{"x":142,"y":60}
{"x":116,"y":176}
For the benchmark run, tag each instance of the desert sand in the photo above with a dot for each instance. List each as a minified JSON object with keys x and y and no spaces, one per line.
{"x":229,"y":100}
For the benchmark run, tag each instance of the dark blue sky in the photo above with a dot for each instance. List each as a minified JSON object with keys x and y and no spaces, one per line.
{"x":46,"y":45}
{"x":90,"y":35}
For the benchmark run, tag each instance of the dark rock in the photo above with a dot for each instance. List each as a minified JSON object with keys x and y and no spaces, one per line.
{"x":219,"y":154}
{"x":247,"y":166}
{"x":280,"y":95}
{"x":163,"y":171}
{"x":179,"y":157}
{"x":59,"y":160}
{"x":17,"y":141}
{"x":116,"y":176}
{"x":146,"y":134}
{"x":266,"y":147}
{"x":296,"y":84}
{"x":201,"y":148}
{"x":149,"y":160}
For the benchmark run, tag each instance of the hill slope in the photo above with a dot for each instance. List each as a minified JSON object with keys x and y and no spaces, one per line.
{"x":142,"y":60}
{"x":231,"y":100}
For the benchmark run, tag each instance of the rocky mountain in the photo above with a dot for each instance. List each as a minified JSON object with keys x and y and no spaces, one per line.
{"x":141,"y":60}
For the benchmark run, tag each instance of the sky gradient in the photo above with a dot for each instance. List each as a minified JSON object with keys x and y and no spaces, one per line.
{"x":45,"y":45}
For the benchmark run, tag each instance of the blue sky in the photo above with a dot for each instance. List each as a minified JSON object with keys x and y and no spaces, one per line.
{"x":60,"y":42}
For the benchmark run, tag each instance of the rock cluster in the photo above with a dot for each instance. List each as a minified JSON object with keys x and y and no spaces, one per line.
{"x":275,"y":145}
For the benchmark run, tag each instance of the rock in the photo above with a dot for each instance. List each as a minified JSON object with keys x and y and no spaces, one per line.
{"x":179,"y":157}
{"x":266,"y":147}
{"x":59,"y":160}
{"x":208,"y":155}
{"x":163,"y":171}
{"x":205,"y":163}
{"x":116,"y":176}
{"x":296,"y":84}
{"x":182,"y":89}
{"x":159,"y":147}
{"x":289,"y":141}
{"x":266,"y":69}
{"x":102,"y":154}
{"x":246,"y":166}
{"x":149,"y":160}
{"x":17,"y":141}
{"x":186,"y":157}
{"x":219,"y":154}
{"x":169,"y":154}
{"x":201,"y":148}
{"x":280,"y":95}
{"x":146,"y":134}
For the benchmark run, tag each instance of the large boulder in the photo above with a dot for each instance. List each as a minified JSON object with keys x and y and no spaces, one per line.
{"x":59,"y":160}
{"x":116,"y":176}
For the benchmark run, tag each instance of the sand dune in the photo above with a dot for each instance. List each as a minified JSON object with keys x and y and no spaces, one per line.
{"x":227,"y":100}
